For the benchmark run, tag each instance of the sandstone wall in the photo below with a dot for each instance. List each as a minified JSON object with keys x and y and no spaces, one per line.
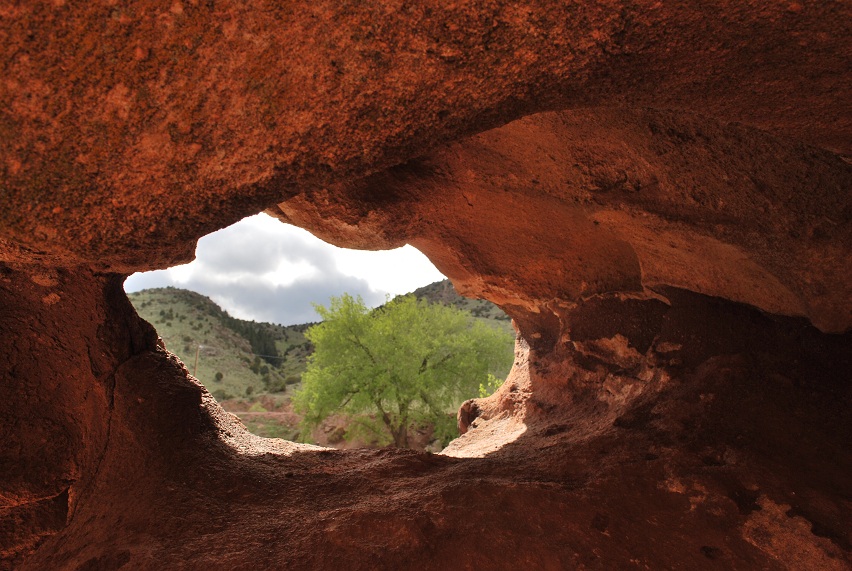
{"x":658,"y":193}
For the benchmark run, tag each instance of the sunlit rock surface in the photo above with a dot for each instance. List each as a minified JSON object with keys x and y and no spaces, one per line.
{"x":667,"y":221}
{"x":558,"y":207}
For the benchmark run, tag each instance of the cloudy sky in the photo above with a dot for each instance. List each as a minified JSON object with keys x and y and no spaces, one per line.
{"x":266,"y":270}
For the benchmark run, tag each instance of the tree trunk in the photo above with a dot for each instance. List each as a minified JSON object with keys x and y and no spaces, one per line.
{"x":400,"y":436}
{"x":399,"y":433}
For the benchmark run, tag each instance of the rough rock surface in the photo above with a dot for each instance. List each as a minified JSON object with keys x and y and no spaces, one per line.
{"x":599,"y":201}
{"x":672,"y":239}
{"x":158,"y":122}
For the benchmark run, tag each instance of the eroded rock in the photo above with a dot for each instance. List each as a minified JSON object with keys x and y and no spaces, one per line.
{"x":557,"y":207}
{"x":674,"y":247}
{"x":128,"y":132}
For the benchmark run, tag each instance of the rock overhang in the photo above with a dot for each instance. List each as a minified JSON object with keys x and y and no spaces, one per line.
{"x":157,"y":126}
{"x":696,"y":172}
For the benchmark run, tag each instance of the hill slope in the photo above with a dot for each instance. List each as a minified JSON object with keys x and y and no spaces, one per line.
{"x":444,"y":293}
{"x":234,"y":357}
{"x":255,"y":358}
{"x":251,"y":368}
{"x":241,"y":361}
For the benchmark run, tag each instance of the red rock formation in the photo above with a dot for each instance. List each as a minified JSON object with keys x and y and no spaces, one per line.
{"x":158,"y":123}
{"x":674,"y":247}
{"x":601,"y":201}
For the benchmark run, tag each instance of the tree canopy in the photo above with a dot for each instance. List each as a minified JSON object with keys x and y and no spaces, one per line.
{"x":405,"y":363}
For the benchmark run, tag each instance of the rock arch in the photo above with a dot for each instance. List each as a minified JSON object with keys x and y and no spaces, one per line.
{"x":659,"y":196}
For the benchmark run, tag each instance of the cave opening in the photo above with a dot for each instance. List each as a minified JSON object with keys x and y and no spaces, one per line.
{"x":238,"y":317}
{"x":676,"y":246}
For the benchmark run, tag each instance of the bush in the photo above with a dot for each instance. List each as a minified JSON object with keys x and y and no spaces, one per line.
{"x":221,"y":395}
{"x":257,"y":407}
{"x":278,"y":386}
{"x":218,"y":377}
{"x":489,"y":386}
{"x":255,"y":367}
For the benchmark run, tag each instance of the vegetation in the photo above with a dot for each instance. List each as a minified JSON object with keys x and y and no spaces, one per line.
{"x":238,"y":365}
{"x":233,"y":354}
{"x":490,"y":385}
{"x":261,"y":337}
{"x":406,"y":363}
{"x":444,"y":293}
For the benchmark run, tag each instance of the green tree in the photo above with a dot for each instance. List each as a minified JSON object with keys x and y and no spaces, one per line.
{"x":406,"y":363}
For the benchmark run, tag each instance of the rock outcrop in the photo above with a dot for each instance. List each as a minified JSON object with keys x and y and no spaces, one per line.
{"x":658,"y":194}
{"x":558,"y":207}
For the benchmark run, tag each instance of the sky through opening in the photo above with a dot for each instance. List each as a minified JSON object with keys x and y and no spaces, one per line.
{"x":265,"y":270}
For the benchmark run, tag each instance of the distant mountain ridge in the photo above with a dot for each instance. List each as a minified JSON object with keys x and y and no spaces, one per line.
{"x":444,"y":293}
{"x":237,"y":358}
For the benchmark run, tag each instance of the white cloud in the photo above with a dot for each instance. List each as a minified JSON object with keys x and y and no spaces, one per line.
{"x":396,"y":271}
{"x":265,"y":270}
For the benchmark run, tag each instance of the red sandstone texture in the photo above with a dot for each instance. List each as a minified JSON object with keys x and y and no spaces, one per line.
{"x":160,"y":122}
{"x":672,"y":238}
{"x":561,"y":206}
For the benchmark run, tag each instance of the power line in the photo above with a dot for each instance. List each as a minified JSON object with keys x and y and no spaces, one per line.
{"x":272,"y":356}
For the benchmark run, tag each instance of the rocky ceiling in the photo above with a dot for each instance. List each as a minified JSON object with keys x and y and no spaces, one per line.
{"x":657,"y":192}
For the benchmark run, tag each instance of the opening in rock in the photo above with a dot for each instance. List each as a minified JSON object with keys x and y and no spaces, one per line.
{"x":238,"y":317}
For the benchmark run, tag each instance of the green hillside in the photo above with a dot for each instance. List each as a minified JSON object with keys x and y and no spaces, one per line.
{"x":253,"y":368}
{"x":235,"y":357}
{"x":444,"y":293}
